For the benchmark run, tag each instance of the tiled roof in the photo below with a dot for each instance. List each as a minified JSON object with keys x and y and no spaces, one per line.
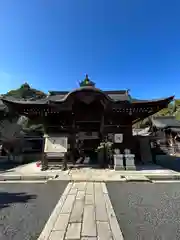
{"x":2,"y":106}
{"x":113,"y":96}
{"x":166,"y":122}
{"x":120,"y":95}
{"x":62,"y":96}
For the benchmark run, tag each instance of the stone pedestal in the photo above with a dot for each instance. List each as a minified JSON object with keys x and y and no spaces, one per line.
{"x":118,"y":162}
{"x":127,"y":151}
{"x":130,"y":161}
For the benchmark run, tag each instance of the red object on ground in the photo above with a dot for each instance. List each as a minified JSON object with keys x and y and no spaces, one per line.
{"x":38,"y":164}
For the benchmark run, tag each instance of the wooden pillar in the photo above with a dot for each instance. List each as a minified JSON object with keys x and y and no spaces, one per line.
{"x":73,"y":141}
{"x":102,"y":126}
{"x":44,"y":160}
{"x":173,"y":143}
{"x":65,"y":160}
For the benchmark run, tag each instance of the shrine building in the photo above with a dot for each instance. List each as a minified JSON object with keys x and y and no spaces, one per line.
{"x":89,"y":114}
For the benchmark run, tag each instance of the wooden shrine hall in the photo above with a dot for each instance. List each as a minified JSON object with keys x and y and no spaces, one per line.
{"x":89,"y":114}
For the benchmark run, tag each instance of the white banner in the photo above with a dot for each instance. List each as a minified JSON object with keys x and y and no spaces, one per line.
{"x":55,"y":144}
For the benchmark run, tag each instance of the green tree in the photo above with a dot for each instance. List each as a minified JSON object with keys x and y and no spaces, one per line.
{"x":26,"y":92}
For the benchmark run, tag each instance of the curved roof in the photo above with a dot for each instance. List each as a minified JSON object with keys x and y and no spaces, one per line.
{"x":60,"y":97}
{"x":88,"y":89}
{"x":56,"y":96}
{"x":160,"y":100}
{"x":2,"y":106}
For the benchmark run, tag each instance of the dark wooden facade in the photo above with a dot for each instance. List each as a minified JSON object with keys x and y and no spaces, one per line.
{"x":88,"y":109}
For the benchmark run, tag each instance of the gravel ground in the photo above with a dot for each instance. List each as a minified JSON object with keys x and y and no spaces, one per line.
{"x":147,"y":211}
{"x":25,"y":208}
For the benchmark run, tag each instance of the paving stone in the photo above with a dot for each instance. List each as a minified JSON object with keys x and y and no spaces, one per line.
{"x":77,"y":211}
{"x":137,"y":178}
{"x":81,"y":186}
{"x":101,"y":214}
{"x":89,"y":223}
{"x":88,"y":238}
{"x":97,"y":187}
{"x":80,"y":195}
{"x":33,"y":177}
{"x":73,"y":191}
{"x":10,"y":177}
{"x":73,"y":231}
{"x":62,"y":222}
{"x":80,"y":177}
{"x":68,"y":188}
{"x":90,"y":188}
{"x":103,"y":231}
{"x":89,"y":199}
{"x":63,"y":178}
{"x":75,"y":185}
{"x":104,"y":189}
{"x":57,"y":235}
{"x":100,"y":207}
{"x":68,"y":204}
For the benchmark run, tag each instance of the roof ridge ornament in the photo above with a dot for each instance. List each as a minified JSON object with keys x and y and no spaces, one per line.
{"x":86,"y":82}
{"x":128,"y":94}
{"x":25,"y":86}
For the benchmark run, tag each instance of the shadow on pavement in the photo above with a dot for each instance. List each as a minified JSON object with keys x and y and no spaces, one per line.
{"x":8,"y":166}
{"x":9,"y":198}
{"x":151,"y":166}
{"x":168,"y":161}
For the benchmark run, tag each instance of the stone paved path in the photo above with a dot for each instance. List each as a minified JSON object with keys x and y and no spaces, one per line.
{"x":84,"y":212}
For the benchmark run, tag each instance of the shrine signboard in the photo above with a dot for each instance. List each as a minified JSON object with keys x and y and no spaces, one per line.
{"x":118,"y":138}
{"x":55,"y":144}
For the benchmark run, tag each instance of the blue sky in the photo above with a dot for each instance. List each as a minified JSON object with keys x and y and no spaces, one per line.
{"x":121,"y":44}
